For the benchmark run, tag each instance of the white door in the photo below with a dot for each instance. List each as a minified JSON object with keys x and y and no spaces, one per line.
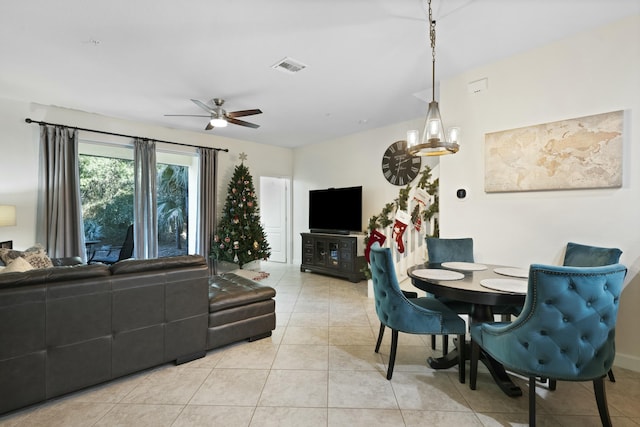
{"x":273,"y":212}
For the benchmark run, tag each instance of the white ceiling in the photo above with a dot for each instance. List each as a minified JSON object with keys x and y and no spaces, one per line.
{"x":142,"y":59}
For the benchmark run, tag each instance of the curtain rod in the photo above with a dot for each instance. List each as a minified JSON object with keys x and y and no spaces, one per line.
{"x":28,"y":120}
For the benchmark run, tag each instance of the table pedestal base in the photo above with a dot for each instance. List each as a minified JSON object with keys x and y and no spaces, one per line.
{"x":479,"y":313}
{"x":496,"y":370}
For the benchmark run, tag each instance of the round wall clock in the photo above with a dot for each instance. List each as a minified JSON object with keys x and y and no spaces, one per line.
{"x":398,"y":166}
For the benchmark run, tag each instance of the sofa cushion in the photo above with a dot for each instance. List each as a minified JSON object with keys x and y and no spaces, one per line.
{"x":35,"y":255}
{"x":72,"y":260}
{"x":129,"y":266}
{"x":52,"y":275}
{"x":18,"y":265}
{"x":230,"y":290}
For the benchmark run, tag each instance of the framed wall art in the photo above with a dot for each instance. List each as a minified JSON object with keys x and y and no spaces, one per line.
{"x":580,"y":153}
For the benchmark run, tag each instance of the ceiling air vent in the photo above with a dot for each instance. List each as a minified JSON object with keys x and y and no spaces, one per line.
{"x":288,"y":65}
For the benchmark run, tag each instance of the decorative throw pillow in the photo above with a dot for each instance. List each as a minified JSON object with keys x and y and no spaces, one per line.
{"x":18,"y":265}
{"x":35,"y":255}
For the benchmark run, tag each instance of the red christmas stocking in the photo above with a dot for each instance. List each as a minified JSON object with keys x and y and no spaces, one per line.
{"x":375,"y":236}
{"x":402,"y":220}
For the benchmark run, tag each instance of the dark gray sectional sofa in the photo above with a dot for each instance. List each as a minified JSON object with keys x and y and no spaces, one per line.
{"x":70,"y":327}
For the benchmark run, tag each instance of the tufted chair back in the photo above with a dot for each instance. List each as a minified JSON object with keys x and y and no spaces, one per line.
{"x":413,"y":316}
{"x":567,"y":327}
{"x":566,"y":330}
{"x":578,"y":255}
{"x":396,"y":311}
{"x":449,"y":250}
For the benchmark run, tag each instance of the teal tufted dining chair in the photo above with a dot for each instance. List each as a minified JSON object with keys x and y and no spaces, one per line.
{"x":566,"y":330}
{"x":441,"y":250}
{"x":412,"y":316}
{"x":578,"y":255}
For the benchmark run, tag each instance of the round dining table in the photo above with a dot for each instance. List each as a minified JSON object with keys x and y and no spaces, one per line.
{"x":467,"y":287}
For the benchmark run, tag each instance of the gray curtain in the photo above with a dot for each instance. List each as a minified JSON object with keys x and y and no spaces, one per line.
{"x":60,"y":228}
{"x":145,"y":213}
{"x":207,"y":186}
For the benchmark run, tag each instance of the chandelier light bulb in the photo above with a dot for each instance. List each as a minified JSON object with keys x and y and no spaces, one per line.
{"x":412,"y":138}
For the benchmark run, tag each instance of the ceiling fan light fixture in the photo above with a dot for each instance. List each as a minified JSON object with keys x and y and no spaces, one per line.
{"x":218,"y":123}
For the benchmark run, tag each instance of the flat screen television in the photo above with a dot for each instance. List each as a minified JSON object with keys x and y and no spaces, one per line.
{"x":335,"y":210}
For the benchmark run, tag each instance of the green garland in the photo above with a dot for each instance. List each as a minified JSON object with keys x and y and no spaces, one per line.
{"x":386,"y":217}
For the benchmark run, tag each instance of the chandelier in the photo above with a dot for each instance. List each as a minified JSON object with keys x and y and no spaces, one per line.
{"x":433,"y":141}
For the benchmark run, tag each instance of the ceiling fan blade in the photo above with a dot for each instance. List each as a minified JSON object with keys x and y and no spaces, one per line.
{"x":244,"y":113}
{"x":202,"y":105}
{"x":186,"y":115}
{"x":208,"y":127}
{"x":242,"y":123}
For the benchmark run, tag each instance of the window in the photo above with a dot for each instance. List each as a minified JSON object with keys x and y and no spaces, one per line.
{"x":173,"y":209}
{"x":107,"y":192}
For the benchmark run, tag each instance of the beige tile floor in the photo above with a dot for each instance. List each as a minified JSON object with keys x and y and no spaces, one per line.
{"x":319,"y":369}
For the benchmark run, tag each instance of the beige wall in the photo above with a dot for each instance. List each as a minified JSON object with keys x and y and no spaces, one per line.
{"x":351,"y":161}
{"x":591,"y":73}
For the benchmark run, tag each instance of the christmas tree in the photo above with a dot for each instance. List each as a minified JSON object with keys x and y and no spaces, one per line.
{"x":240,"y":237}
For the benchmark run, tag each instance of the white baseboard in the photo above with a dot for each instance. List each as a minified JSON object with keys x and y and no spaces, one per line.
{"x":627,"y":361}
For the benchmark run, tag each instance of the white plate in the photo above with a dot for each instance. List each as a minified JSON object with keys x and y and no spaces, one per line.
{"x":512,"y":271}
{"x":464,"y":266}
{"x":438,"y":274}
{"x":506,"y":285}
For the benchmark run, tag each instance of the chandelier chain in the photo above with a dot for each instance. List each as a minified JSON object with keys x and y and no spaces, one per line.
{"x":432,"y":32}
{"x":432,"y":37}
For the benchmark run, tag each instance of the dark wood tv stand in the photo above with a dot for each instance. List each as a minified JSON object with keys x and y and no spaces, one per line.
{"x":334,"y":254}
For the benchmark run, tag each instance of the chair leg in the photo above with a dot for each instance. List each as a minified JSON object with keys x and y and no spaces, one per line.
{"x":611,"y":377}
{"x":552,"y":384}
{"x":473,"y":366}
{"x":601,"y":399}
{"x":462,"y":367}
{"x":532,"y":401}
{"x":380,"y":334}
{"x":445,"y":344}
{"x":392,"y":356}
{"x":433,"y":342}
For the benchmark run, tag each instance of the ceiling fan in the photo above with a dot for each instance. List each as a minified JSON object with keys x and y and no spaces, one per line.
{"x":218,"y":116}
